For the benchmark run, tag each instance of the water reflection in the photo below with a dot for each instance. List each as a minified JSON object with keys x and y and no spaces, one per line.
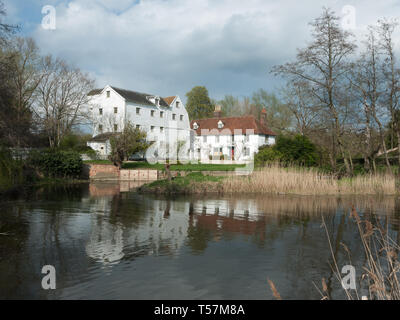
{"x":107,"y":241}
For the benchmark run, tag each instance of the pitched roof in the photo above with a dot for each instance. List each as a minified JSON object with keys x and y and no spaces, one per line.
{"x":102,"y":137}
{"x":232,"y":123}
{"x":94,"y":92}
{"x":169,"y":100}
{"x":133,"y":96}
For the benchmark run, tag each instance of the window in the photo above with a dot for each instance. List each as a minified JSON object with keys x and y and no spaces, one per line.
{"x":173,"y":116}
{"x":137,"y":110}
{"x":177,"y":104}
{"x":152,"y":113}
{"x":108,"y":93}
{"x":161,"y":114}
{"x":204,"y":138}
{"x":161,"y":129}
{"x":100,"y":127}
{"x":115,"y":110}
{"x":101,"y":111}
{"x":115,"y":127}
{"x":152,"y":128}
{"x":220,"y":124}
{"x":246,"y":138}
{"x":217,"y":139}
{"x":246,"y":151}
{"x":138,"y":126}
{"x":181,"y":117}
{"x":157,"y":101}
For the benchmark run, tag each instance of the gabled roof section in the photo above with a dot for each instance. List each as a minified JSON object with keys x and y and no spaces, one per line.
{"x":170,"y":99}
{"x":132,"y":96}
{"x":95,"y":92}
{"x":232,"y":124}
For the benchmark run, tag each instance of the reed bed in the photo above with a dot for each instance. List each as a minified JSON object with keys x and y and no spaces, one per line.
{"x":307,"y":181}
{"x":381,"y":269}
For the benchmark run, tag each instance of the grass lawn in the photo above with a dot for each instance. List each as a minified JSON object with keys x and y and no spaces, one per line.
{"x":97,"y":162}
{"x":194,"y":182}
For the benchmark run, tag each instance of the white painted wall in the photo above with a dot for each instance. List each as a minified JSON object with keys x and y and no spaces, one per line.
{"x":212,"y":144}
{"x":158,"y":129}
{"x":102,"y":148}
{"x":108,"y":118}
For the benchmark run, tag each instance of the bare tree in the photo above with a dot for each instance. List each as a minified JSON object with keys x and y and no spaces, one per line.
{"x":5,"y":29}
{"x":62,"y":100}
{"x":23,"y":78}
{"x":391,"y":73}
{"x":323,"y":65}
{"x":305,"y":108}
{"x":367,"y":79}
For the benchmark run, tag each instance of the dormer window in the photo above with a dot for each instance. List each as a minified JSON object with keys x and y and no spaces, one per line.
{"x":220,"y":124}
{"x":195,"y":126}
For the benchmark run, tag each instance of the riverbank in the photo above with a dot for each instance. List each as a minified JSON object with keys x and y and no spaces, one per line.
{"x":276,"y":180}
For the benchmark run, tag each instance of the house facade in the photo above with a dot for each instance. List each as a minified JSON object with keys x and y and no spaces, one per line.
{"x":230,"y":138}
{"x":163,"y":119}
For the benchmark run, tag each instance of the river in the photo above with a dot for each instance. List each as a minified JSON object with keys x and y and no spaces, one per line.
{"x":106,"y":241}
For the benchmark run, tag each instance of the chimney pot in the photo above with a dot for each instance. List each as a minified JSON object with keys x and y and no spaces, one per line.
{"x":217,"y":111}
{"x":263,"y":117}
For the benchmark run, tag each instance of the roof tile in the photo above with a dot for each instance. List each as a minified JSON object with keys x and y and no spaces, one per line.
{"x":232,"y":123}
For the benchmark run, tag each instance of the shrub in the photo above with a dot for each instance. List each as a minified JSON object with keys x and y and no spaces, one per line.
{"x":11,"y":170}
{"x":266,"y":154}
{"x":57,"y":164}
{"x":75,"y":142}
{"x":297,"y":150}
{"x":92,"y":154}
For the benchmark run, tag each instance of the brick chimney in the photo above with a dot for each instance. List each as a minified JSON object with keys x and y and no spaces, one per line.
{"x":263,"y":117}
{"x":217,"y":111}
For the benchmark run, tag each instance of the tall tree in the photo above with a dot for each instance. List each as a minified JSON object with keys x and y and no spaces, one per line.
{"x":231,"y":106}
{"x":24,"y":77}
{"x":279,"y":117}
{"x":323,"y":65}
{"x":7,"y":88}
{"x":304,"y":107}
{"x":391,"y":73}
{"x":199,"y":104}
{"x":368,"y":81}
{"x":62,"y":99}
{"x":5,"y":29}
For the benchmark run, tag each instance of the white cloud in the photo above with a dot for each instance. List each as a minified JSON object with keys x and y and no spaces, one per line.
{"x":167,"y":47}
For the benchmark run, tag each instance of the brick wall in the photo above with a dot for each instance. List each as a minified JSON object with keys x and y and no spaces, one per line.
{"x":103,"y":171}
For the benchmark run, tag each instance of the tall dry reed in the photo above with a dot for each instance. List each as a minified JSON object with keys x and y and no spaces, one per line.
{"x":381,"y":269}
{"x":307,"y":181}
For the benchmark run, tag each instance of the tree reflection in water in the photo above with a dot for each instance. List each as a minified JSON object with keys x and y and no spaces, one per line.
{"x":87,"y":228}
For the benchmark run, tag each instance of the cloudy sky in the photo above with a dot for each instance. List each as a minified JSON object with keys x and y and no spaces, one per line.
{"x":166,"y":47}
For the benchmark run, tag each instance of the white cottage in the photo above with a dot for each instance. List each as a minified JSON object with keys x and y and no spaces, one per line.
{"x":230,"y":138}
{"x":163,"y":119}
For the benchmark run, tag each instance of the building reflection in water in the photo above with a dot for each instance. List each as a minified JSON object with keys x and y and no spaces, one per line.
{"x":125,"y":225}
